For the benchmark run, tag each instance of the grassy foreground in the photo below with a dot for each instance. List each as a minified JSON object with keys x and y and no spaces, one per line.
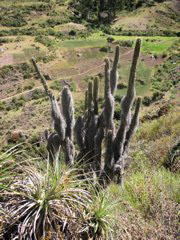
{"x":65,"y":205}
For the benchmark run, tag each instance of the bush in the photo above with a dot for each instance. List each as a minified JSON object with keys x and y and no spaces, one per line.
{"x":14,"y":20}
{"x":157,"y":96}
{"x":45,"y":40}
{"x":29,"y":86}
{"x":147,"y":100}
{"x":110,"y":39}
{"x":121,"y":86}
{"x":38,"y":93}
{"x":72,"y":33}
{"x":16,"y":103}
{"x":5,"y":40}
{"x":104,"y":49}
{"x":125,"y":43}
{"x":73,"y":86}
{"x":46,"y":59}
{"x":2,"y":105}
{"x":26,"y":70}
{"x":56,"y":85}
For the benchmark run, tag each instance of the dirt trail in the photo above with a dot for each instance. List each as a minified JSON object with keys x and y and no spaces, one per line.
{"x":70,"y":76}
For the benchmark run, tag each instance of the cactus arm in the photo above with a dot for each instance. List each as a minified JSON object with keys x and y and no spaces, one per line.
{"x":53,"y":146}
{"x":98,"y":148}
{"x":133,"y":125}
{"x":126,"y":104}
{"x":109,"y":150}
{"x":114,"y":73}
{"x":91,"y":132}
{"x":90,"y":97}
{"x":109,"y":100}
{"x":95,"y":94}
{"x":132,"y":75}
{"x":69,"y":151}
{"x":43,"y":81}
{"x":107,"y":77}
{"x":86,"y":101}
{"x":59,"y":123}
{"x":68,"y":111}
{"x":79,"y":133}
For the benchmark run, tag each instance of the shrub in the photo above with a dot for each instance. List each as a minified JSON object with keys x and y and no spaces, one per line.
{"x":147,"y":100}
{"x":45,"y":40}
{"x":5,"y":40}
{"x":2,"y":105}
{"x":110,"y":39}
{"x":157,"y":96}
{"x":29,"y":86}
{"x":72,"y":33}
{"x":14,"y":21}
{"x":125,"y":43}
{"x":121,"y":86}
{"x":47,"y":58}
{"x":38,"y":93}
{"x":73,"y":86}
{"x":16,"y":103}
{"x":56,"y":85}
{"x":104,"y":49}
{"x":26,"y":70}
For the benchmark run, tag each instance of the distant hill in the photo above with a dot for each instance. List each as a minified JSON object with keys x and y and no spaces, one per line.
{"x":158,"y":17}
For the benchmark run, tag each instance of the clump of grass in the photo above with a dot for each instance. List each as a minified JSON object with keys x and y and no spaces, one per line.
{"x":99,"y":218}
{"x":8,"y":167}
{"x":55,"y":204}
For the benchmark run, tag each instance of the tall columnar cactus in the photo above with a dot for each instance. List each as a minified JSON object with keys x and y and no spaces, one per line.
{"x":126,"y":105}
{"x":99,"y":141}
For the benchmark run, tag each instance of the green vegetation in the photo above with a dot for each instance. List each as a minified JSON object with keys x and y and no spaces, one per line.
{"x":166,"y":74}
{"x":56,"y":85}
{"x":24,"y":68}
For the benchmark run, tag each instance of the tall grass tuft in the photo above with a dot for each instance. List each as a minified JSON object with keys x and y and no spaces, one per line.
{"x":45,"y":204}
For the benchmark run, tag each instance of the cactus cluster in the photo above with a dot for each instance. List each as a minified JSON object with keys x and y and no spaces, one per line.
{"x":103,"y":145}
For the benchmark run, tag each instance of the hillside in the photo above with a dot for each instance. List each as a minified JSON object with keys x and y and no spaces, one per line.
{"x":156,"y":18}
{"x":69,"y":48}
